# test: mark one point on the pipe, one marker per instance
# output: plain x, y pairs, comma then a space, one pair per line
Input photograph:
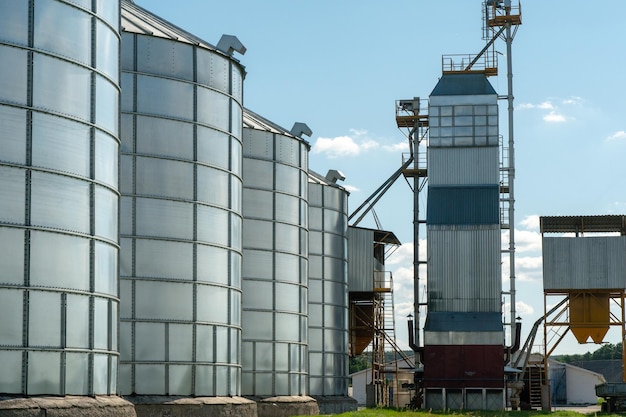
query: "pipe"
415, 348
518, 336
510, 350
379, 192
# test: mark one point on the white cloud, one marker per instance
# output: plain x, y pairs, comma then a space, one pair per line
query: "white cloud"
397, 147
573, 100
617, 136
357, 142
525, 241
358, 132
404, 254
554, 117
403, 310
521, 308
403, 282
546, 105
552, 113
368, 144
336, 147
351, 188
527, 269
530, 222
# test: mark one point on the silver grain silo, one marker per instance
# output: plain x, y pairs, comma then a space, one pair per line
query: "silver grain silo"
59, 94
274, 276
180, 229
328, 293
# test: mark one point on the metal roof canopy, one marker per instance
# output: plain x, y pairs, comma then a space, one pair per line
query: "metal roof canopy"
583, 224
383, 236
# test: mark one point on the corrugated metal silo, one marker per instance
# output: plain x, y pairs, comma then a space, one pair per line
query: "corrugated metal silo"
181, 185
463, 334
59, 95
275, 271
328, 288
463, 220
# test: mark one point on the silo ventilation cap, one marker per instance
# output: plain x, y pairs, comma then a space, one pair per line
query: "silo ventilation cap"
230, 44
333, 175
300, 129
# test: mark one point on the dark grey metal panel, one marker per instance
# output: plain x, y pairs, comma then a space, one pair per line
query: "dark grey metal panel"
463, 328
463, 84
463, 205
463, 322
584, 263
360, 259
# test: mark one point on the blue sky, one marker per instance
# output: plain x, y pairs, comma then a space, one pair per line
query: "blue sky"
339, 66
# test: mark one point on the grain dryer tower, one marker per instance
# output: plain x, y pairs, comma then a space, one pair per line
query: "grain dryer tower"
456, 150
463, 335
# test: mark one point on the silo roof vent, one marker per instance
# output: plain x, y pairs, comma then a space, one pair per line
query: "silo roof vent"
333, 175
300, 129
230, 44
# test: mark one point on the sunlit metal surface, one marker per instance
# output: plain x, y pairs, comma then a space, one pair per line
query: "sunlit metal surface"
58, 213
181, 218
328, 287
275, 252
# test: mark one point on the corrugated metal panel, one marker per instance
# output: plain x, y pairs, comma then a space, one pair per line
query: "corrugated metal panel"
584, 263
464, 338
465, 304
328, 281
464, 272
463, 322
462, 99
448, 205
583, 224
360, 259
187, 248
463, 166
459, 366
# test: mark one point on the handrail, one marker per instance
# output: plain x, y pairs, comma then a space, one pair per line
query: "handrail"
468, 62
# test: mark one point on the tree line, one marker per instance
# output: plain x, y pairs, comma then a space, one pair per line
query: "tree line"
607, 351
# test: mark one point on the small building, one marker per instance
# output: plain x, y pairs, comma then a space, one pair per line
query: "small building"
571, 385
398, 377
610, 369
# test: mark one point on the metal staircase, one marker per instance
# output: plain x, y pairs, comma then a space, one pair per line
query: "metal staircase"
388, 307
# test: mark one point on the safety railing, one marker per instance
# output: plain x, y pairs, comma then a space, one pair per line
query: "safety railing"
383, 281
460, 63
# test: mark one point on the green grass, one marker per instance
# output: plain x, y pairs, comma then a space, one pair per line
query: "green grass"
388, 412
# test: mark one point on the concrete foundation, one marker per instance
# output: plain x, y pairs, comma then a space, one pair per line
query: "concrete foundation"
168, 406
70, 406
335, 404
286, 406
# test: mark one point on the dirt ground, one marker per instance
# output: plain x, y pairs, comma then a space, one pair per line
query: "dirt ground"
584, 409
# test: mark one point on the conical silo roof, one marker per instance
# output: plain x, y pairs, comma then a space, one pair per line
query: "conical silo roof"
136, 19
463, 85
252, 120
